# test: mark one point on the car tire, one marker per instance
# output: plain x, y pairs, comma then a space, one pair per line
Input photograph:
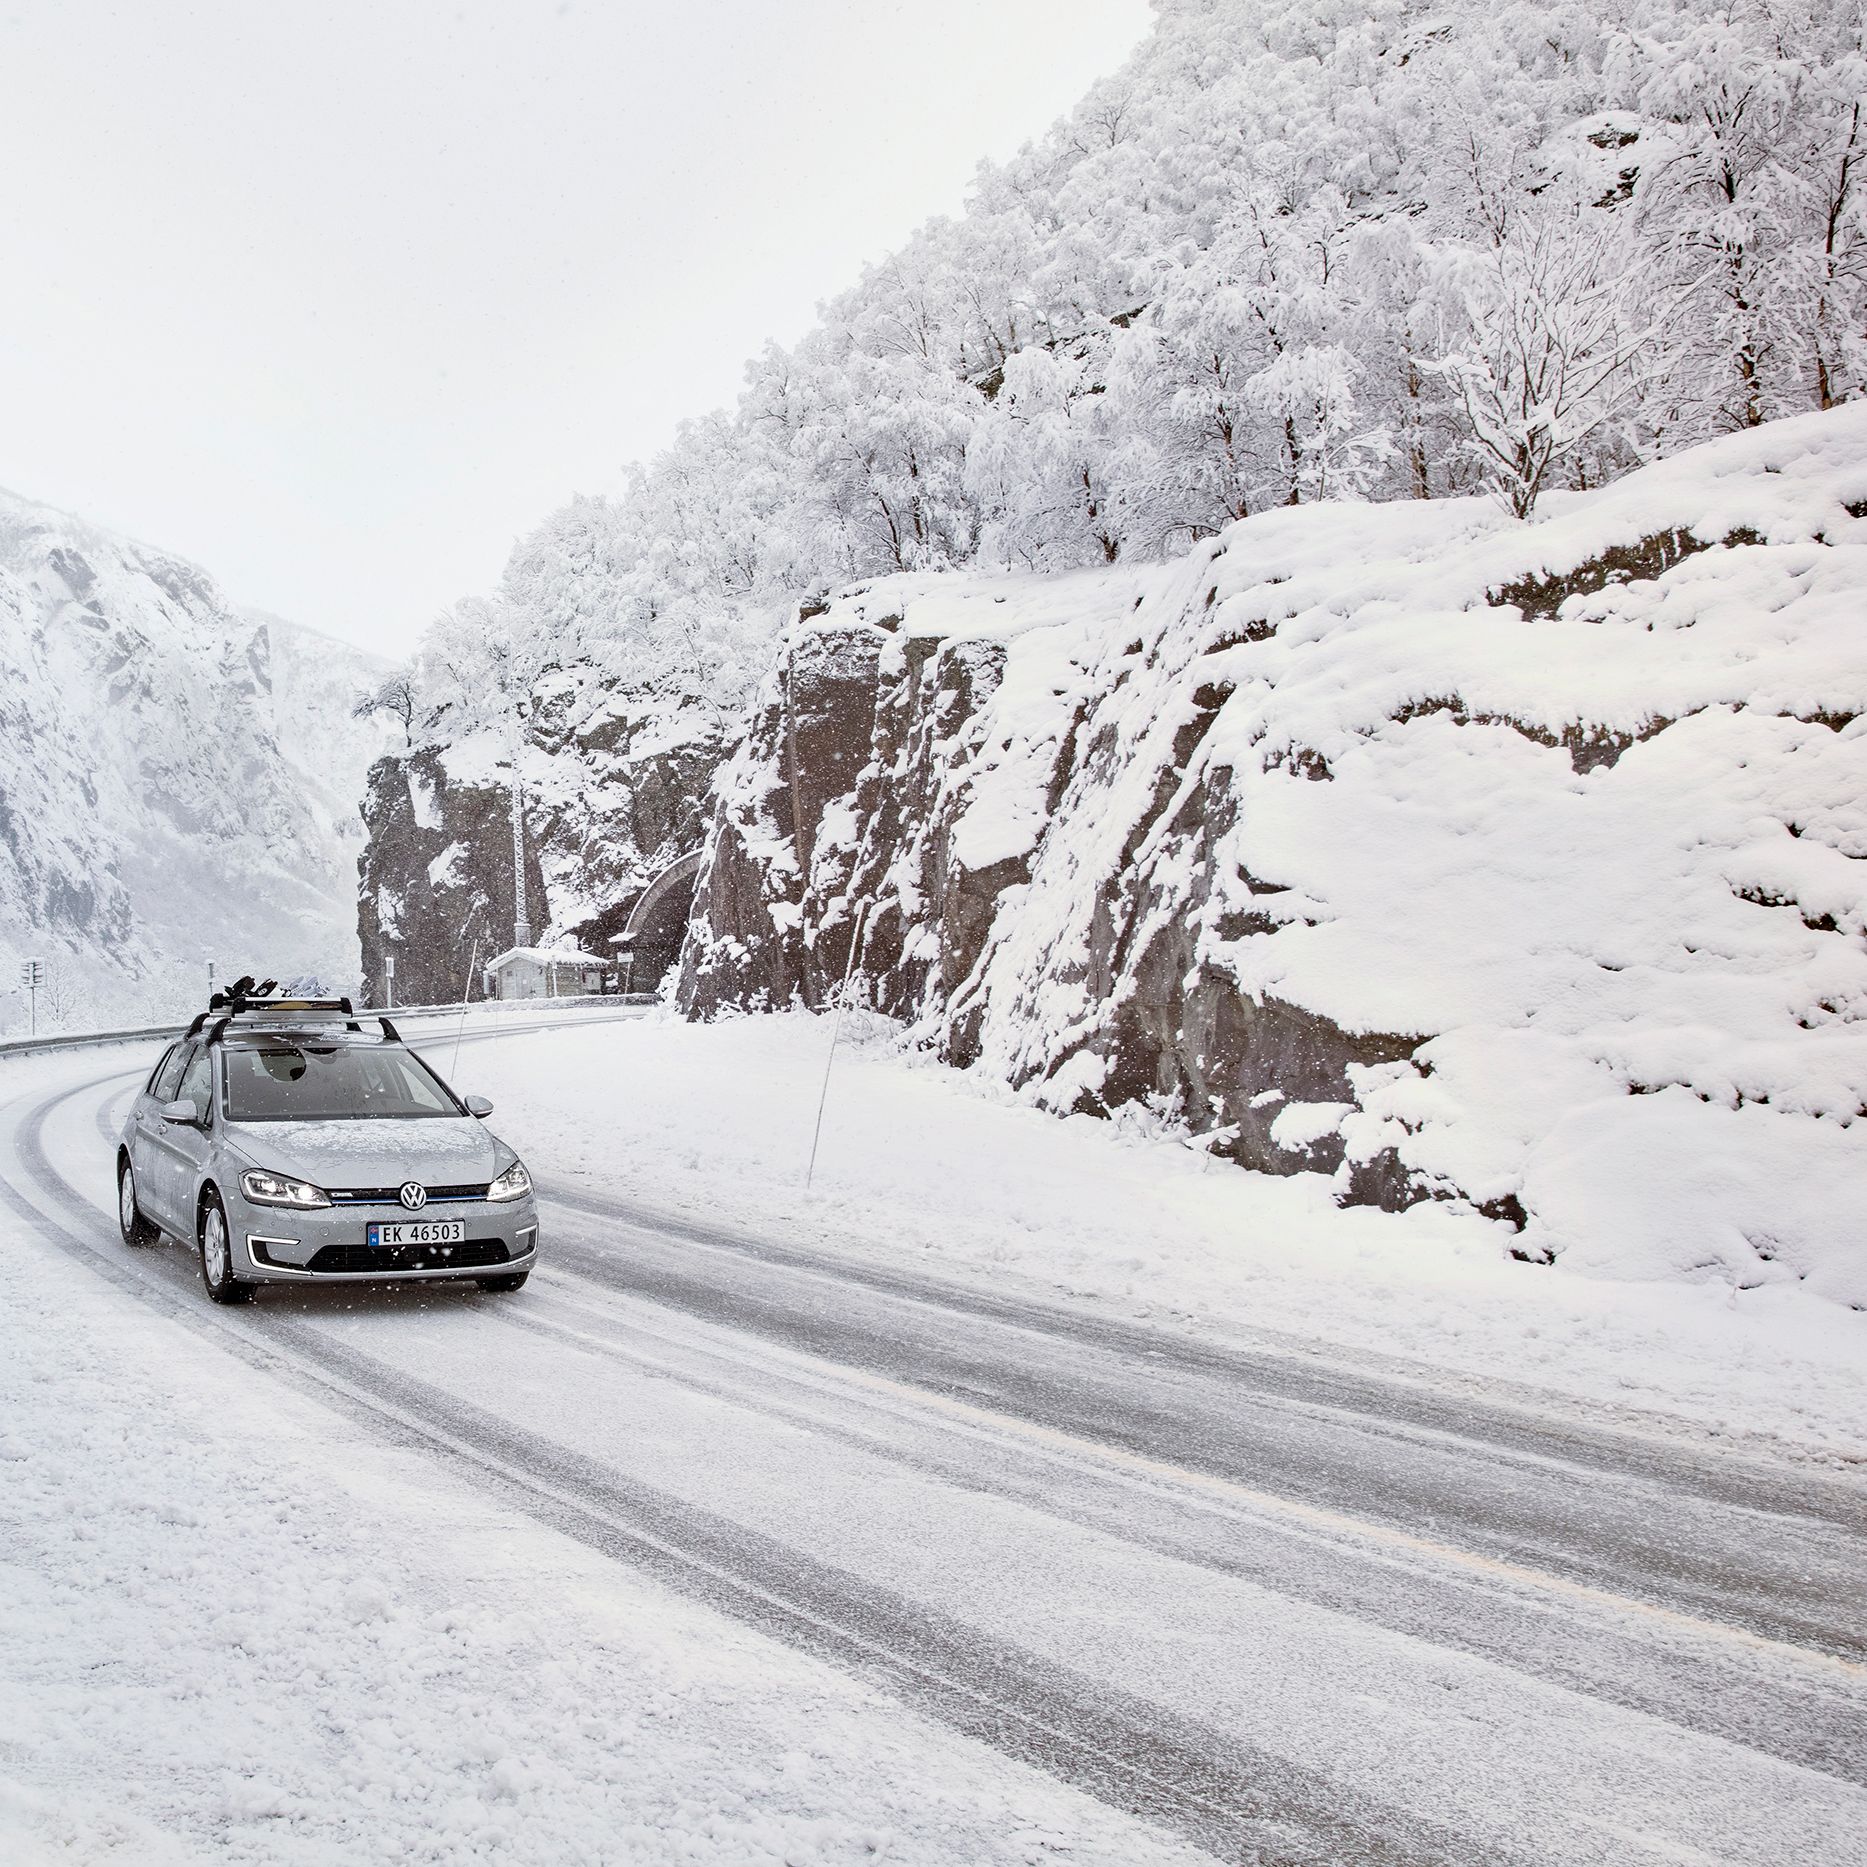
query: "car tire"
515, 1280
136, 1229
217, 1255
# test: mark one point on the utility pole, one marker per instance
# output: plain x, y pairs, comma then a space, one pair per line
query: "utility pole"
31, 977
521, 921
210, 981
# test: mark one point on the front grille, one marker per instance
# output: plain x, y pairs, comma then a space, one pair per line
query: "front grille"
383, 1260
392, 1195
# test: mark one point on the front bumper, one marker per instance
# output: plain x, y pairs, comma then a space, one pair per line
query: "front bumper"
278, 1245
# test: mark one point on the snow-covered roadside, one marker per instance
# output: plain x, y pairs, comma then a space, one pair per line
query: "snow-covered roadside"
926, 1165
235, 1627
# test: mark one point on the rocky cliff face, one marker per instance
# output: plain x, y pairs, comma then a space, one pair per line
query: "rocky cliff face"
892, 790
435, 879
177, 778
613, 792
1445, 855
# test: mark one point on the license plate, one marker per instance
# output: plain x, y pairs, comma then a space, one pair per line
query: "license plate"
418, 1232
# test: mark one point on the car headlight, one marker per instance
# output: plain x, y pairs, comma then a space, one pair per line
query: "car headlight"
514, 1183
275, 1189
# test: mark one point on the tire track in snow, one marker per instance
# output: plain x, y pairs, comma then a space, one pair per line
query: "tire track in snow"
1238, 1803
1776, 1554
1781, 1701
1772, 1716
1376, 1453
1281, 1371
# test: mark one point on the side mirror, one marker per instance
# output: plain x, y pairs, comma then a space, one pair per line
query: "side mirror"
182, 1111
478, 1105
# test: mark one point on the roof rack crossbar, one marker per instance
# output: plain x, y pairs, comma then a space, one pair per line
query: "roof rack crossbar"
224, 1007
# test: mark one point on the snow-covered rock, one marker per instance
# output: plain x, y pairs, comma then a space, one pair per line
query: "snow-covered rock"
1519, 864
614, 792
177, 778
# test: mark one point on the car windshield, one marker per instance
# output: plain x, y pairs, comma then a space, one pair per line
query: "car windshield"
287, 1081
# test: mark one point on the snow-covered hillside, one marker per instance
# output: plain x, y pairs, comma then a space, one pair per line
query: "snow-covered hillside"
1290, 251
1521, 865
177, 779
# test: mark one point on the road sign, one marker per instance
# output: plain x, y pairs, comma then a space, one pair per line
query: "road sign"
31, 977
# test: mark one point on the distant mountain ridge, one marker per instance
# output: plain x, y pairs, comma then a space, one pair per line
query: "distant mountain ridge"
177, 777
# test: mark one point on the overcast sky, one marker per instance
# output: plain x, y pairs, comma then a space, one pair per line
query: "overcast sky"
338, 299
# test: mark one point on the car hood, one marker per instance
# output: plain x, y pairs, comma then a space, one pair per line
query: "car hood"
449, 1150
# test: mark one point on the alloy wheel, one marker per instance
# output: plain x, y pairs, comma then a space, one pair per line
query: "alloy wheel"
214, 1253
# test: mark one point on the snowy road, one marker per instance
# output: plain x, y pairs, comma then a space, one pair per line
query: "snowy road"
1284, 1614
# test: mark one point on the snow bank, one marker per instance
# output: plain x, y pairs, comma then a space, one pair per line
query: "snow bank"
949, 1172
1638, 949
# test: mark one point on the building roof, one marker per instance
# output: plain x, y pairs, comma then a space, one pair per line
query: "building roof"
546, 956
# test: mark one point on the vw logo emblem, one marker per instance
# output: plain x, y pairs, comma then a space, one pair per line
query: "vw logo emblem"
414, 1195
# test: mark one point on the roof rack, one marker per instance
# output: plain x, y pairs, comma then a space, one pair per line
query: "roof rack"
224, 1007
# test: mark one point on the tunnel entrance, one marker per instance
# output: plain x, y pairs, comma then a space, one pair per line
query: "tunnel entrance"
651, 941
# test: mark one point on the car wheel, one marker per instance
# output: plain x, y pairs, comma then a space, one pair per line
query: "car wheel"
130, 1221
217, 1256
513, 1281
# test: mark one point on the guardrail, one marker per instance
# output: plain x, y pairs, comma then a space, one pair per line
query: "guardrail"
30, 1046
508, 1006
81, 1040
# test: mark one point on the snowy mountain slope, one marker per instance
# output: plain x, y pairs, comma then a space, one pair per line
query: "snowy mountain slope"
315, 679
172, 777
1515, 864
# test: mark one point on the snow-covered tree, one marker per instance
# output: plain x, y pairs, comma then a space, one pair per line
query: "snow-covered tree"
1294, 249
1040, 468
1753, 189
398, 697
1557, 337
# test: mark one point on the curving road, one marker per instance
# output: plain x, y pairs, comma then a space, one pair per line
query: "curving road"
1294, 1615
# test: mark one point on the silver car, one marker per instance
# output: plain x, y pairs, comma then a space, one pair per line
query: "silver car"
289, 1144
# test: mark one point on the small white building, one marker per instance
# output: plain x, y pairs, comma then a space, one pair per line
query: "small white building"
548, 972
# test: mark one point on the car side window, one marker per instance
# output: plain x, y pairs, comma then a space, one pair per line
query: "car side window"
168, 1073
197, 1084
168, 1078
